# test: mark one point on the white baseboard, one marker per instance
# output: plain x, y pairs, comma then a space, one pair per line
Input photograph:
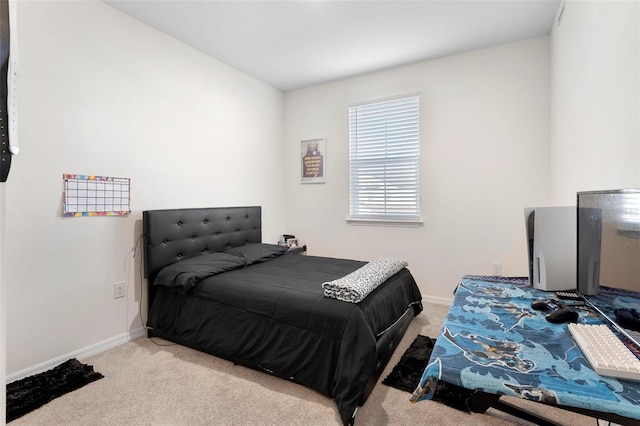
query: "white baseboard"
446, 301
80, 354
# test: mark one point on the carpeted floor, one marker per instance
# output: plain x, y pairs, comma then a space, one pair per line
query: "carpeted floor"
147, 384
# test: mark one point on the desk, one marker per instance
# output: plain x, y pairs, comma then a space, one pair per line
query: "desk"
493, 342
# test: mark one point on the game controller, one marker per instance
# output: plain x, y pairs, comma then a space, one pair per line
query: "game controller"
628, 318
560, 313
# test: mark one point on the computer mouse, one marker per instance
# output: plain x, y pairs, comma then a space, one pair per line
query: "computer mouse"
539, 305
561, 315
546, 305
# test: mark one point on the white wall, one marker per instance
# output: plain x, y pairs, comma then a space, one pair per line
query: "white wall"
103, 94
485, 150
595, 98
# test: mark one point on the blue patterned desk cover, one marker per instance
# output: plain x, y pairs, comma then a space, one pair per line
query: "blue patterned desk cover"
493, 341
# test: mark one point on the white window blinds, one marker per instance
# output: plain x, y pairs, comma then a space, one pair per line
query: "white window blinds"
384, 156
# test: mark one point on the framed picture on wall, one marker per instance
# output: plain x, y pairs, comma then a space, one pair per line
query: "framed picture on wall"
313, 154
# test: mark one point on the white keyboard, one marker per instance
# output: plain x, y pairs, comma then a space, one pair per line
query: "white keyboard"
605, 351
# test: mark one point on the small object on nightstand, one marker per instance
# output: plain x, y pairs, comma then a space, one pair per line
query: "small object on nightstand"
284, 239
297, 250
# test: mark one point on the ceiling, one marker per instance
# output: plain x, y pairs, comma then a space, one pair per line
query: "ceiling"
294, 44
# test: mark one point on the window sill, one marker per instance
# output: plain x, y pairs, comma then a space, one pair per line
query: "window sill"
386, 222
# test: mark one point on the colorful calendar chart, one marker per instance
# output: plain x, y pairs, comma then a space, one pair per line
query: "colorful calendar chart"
87, 195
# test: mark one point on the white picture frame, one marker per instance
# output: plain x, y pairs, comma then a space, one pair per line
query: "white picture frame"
313, 160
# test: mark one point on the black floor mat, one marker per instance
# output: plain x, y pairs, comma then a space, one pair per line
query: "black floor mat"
32, 392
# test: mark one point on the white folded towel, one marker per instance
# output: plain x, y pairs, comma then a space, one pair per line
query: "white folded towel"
355, 286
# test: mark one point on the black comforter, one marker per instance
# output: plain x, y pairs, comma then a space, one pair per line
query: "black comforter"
273, 316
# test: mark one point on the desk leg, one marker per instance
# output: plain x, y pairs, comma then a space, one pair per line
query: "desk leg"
482, 401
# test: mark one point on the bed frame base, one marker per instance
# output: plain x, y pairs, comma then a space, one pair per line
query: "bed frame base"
385, 347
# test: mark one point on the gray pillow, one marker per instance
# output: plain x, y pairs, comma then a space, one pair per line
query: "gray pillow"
257, 252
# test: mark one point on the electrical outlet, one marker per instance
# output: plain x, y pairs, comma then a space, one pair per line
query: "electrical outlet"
497, 269
118, 290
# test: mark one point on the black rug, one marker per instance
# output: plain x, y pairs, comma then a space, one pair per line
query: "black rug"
407, 373
32, 392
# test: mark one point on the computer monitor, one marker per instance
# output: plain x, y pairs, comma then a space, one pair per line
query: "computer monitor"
608, 240
608, 247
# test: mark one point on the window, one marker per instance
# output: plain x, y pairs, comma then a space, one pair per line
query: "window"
384, 158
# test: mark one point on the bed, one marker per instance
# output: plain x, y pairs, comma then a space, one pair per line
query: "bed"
268, 311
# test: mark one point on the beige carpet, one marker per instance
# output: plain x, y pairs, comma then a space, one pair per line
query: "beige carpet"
148, 384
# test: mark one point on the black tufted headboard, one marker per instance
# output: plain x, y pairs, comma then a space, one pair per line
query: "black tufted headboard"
177, 234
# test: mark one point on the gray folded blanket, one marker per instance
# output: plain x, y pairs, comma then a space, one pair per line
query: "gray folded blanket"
355, 286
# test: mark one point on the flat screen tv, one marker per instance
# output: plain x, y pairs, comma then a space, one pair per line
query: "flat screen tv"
608, 246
